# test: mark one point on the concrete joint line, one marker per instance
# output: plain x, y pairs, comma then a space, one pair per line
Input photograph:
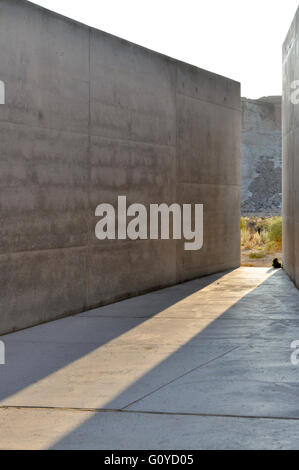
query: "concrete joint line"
146, 412
180, 376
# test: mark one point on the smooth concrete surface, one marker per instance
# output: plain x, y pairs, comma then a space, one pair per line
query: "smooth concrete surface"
88, 117
290, 157
201, 365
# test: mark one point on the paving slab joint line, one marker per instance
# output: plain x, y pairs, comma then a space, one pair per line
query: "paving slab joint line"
180, 376
146, 412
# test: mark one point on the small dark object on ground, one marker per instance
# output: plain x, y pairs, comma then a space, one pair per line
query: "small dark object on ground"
276, 264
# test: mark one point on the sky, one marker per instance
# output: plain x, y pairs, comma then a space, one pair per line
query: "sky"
240, 39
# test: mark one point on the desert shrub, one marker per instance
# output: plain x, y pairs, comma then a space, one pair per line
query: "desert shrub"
262, 225
272, 246
246, 239
250, 237
247, 242
245, 233
257, 254
264, 235
260, 236
251, 224
275, 230
256, 239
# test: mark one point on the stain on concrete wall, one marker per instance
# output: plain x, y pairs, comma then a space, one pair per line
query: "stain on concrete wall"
261, 156
89, 117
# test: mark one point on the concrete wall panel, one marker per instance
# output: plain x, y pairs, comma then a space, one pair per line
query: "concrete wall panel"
126, 268
206, 86
221, 229
45, 64
208, 139
89, 117
40, 285
43, 188
132, 92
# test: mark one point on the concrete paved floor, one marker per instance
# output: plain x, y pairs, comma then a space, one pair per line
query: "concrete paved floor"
203, 365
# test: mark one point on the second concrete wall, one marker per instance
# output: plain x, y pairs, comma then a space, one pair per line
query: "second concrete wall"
89, 117
290, 146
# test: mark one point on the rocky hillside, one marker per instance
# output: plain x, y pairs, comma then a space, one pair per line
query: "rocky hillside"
261, 156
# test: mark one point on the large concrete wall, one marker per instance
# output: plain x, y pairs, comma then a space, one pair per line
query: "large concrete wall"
290, 156
261, 156
88, 117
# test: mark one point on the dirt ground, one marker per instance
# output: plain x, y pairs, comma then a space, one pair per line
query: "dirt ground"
259, 262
